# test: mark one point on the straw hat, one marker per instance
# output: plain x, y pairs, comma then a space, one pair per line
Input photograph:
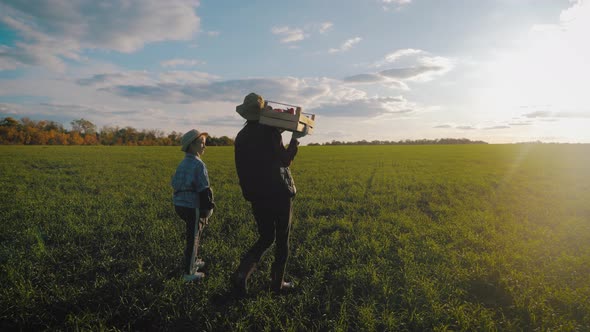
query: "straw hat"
189, 137
250, 108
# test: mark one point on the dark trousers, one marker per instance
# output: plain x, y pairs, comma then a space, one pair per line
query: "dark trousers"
193, 235
273, 220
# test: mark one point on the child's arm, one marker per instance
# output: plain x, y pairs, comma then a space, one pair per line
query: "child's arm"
206, 203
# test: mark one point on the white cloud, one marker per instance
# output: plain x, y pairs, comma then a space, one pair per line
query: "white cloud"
563, 114
365, 107
289, 35
325, 27
186, 77
443, 126
414, 64
214, 89
56, 30
325, 96
520, 123
388, 4
376, 78
347, 45
417, 66
119, 78
393, 57
398, 2
181, 63
496, 127
295, 34
9, 108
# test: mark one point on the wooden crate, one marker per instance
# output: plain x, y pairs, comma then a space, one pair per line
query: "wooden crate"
288, 121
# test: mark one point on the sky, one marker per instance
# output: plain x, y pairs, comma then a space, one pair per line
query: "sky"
502, 71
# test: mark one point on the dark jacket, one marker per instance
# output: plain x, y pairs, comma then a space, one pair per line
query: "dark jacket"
262, 162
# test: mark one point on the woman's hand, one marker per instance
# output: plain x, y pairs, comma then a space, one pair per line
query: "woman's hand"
298, 135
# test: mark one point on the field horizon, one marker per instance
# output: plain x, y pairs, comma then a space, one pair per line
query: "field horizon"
385, 238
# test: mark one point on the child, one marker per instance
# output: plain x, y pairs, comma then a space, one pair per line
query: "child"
193, 199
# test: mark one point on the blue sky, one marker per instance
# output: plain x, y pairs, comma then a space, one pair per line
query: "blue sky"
500, 71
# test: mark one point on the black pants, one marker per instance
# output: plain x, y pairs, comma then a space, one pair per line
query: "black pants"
193, 234
273, 220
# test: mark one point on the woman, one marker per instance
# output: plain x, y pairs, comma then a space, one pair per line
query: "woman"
193, 199
262, 164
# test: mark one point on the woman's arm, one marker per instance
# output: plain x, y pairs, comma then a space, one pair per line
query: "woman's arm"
286, 155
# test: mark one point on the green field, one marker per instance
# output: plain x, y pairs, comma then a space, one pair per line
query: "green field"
458, 237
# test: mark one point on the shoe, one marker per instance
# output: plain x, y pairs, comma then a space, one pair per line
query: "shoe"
199, 264
193, 277
239, 285
285, 286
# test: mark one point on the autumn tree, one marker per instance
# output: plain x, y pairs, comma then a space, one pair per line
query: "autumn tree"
83, 126
28, 131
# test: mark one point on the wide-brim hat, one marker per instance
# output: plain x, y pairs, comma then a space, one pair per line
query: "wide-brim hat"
251, 107
189, 137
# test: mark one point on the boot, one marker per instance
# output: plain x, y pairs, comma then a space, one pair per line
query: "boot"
240, 277
277, 283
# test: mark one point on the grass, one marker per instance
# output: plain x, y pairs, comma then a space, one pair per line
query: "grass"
477, 237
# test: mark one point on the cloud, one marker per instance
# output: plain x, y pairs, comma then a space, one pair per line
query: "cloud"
181, 62
76, 109
185, 77
325, 27
213, 33
326, 96
70, 110
417, 65
143, 78
470, 127
520, 123
289, 35
121, 78
399, 54
388, 4
9, 108
52, 31
410, 72
365, 107
365, 78
376, 78
227, 90
347, 45
497, 127
549, 114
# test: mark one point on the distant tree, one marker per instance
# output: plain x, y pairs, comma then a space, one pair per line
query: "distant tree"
407, 142
9, 122
219, 141
83, 126
75, 138
52, 125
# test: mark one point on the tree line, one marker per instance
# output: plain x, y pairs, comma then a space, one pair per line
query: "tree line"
84, 132
405, 142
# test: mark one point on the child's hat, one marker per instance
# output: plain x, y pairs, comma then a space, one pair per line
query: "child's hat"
189, 137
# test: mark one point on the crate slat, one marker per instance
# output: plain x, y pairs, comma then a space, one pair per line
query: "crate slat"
287, 121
